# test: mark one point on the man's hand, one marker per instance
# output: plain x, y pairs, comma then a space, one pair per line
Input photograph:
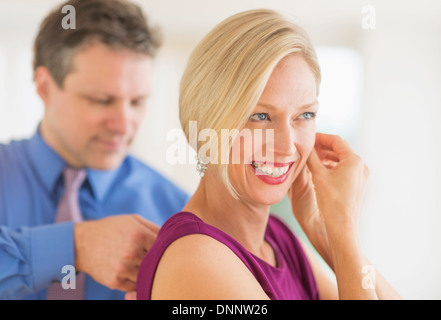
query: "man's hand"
131, 295
111, 249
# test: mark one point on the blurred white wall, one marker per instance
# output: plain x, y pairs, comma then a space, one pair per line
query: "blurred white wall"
395, 89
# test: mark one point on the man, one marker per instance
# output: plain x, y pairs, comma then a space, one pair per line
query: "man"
94, 81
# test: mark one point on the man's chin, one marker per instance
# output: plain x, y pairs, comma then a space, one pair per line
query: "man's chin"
109, 163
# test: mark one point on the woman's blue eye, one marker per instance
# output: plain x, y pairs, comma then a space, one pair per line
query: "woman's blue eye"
259, 116
309, 115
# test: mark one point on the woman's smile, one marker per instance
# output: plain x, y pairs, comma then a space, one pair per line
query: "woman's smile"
272, 173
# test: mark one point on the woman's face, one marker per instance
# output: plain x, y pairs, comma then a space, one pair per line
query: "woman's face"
287, 107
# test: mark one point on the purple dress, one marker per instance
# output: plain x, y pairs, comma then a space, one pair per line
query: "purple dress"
291, 279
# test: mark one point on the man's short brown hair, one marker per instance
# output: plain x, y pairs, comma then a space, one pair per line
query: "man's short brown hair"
118, 24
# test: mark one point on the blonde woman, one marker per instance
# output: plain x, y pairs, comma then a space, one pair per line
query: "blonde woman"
257, 73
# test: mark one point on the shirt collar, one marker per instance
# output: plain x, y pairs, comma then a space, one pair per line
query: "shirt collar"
101, 181
49, 166
46, 162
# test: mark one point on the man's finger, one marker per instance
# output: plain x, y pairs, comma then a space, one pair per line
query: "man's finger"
148, 240
127, 285
131, 295
152, 226
132, 272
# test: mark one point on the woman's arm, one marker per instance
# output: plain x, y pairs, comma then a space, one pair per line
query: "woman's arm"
326, 286
325, 200
198, 267
382, 287
349, 264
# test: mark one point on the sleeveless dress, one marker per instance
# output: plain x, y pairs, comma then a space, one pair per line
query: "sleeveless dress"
291, 279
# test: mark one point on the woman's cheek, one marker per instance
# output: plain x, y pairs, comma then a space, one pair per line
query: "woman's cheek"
305, 141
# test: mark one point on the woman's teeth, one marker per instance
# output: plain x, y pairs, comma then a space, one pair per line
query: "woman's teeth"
269, 170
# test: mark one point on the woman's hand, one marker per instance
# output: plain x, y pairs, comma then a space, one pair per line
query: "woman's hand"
307, 213
339, 177
326, 198
327, 194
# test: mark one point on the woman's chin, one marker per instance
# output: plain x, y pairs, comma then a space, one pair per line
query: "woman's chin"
271, 199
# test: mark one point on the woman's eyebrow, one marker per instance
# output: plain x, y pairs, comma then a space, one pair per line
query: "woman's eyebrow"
303, 107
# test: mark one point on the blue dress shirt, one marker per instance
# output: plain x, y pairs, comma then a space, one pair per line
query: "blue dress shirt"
33, 249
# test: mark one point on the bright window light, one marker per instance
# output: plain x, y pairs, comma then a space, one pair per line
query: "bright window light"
340, 94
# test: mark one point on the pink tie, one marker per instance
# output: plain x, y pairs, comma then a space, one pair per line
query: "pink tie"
69, 210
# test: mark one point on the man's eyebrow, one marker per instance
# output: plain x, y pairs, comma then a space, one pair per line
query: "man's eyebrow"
94, 93
111, 96
305, 106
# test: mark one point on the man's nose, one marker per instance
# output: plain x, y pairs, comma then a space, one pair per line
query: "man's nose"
119, 118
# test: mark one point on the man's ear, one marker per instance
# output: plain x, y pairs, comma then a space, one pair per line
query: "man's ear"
43, 81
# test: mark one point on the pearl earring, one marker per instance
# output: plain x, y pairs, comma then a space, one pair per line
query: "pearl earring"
201, 166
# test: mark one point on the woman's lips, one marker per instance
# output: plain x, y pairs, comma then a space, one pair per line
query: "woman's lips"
272, 172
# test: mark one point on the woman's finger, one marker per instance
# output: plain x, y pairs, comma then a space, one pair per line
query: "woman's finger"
314, 164
327, 155
334, 143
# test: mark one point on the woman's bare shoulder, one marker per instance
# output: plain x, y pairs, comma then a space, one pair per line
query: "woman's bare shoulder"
198, 266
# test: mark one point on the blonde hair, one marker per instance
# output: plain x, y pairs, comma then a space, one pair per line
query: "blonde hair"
228, 70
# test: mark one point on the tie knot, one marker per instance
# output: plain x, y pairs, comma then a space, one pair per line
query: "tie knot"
73, 178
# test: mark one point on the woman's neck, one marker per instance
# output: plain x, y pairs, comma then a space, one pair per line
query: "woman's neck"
244, 221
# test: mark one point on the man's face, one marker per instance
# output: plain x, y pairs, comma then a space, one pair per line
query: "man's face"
92, 120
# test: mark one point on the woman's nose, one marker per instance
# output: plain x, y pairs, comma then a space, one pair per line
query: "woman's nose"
284, 140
